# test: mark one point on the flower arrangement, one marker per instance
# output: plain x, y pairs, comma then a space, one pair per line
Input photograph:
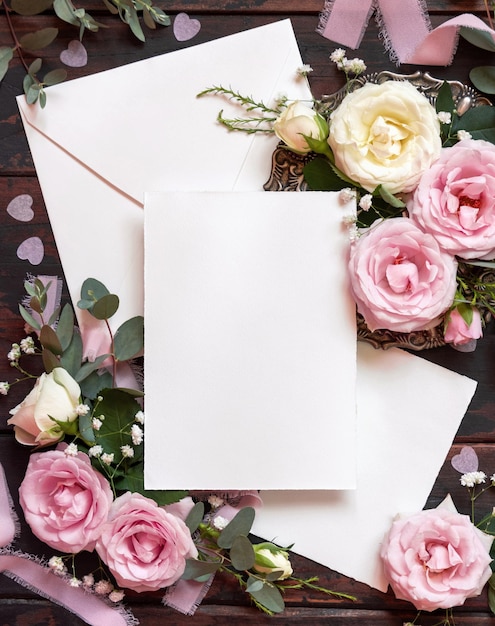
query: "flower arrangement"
83, 489
421, 174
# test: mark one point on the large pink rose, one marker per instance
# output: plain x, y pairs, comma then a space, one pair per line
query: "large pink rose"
143, 545
455, 200
65, 501
400, 278
436, 558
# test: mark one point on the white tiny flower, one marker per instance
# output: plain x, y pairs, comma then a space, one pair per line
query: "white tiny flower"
99, 398
215, 501
127, 451
220, 522
492, 478
27, 345
74, 582
354, 66
15, 353
366, 201
349, 219
139, 417
82, 409
95, 451
102, 587
444, 117
56, 564
353, 233
107, 458
304, 70
337, 55
4, 388
117, 595
88, 581
470, 479
136, 435
96, 423
347, 195
463, 134
71, 450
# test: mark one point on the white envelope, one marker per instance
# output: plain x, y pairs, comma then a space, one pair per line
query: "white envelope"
250, 353
105, 139
408, 412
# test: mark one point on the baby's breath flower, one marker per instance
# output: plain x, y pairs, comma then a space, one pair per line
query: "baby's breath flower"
82, 409
27, 345
349, 219
74, 582
99, 398
88, 581
15, 353
96, 423
220, 522
492, 479
71, 450
470, 479
95, 451
139, 417
354, 66
4, 388
117, 595
136, 435
346, 195
304, 70
57, 565
353, 233
463, 134
103, 587
444, 117
127, 451
107, 458
338, 55
365, 202
215, 501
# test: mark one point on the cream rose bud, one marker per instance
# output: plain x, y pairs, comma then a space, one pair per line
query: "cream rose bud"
386, 134
296, 121
55, 396
270, 558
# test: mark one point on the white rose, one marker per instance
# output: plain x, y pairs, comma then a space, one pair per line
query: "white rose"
270, 558
297, 121
55, 395
386, 134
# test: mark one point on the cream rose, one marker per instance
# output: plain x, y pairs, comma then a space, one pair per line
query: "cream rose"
270, 558
385, 134
55, 395
297, 121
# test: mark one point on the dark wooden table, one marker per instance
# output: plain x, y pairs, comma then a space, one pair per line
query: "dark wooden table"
224, 604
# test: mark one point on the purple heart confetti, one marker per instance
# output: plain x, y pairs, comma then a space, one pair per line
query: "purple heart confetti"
20, 208
75, 55
466, 461
185, 28
31, 250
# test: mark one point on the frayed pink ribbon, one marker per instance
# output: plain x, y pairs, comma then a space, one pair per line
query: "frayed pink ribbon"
25, 570
405, 28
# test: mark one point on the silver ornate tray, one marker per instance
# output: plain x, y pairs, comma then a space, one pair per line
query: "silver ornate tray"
287, 175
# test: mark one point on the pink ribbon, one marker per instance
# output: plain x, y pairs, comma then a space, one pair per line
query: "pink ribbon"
405, 28
25, 570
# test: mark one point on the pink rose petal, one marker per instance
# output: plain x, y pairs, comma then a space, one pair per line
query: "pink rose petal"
466, 461
31, 250
20, 208
75, 55
185, 28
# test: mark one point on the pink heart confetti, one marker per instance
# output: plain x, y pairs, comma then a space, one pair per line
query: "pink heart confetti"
466, 461
31, 250
20, 208
75, 55
185, 28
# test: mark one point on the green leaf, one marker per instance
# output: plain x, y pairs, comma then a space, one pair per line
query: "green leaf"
242, 553
483, 78
129, 339
195, 516
90, 366
445, 100
50, 361
86, 428
35, 66
111, 7
269, 597
94, 383
320, 176
72, 356
198, 569
164, 497
54, 77
33, 93
388, 197
160, 17
148, 19
254, 584
479, 121
91, 291
49, 340
479, 38
6, 55
65, 326
30, 7
38, 40
119, 409
42, 98
27, 83
28, 318
105, 307
64, 10
131, 18
239, 525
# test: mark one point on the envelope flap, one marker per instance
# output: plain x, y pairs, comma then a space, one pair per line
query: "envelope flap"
141, 127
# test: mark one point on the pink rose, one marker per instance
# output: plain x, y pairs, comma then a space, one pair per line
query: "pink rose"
65, 501
436, 558
143, 545
400, 278
455, 200
458, 332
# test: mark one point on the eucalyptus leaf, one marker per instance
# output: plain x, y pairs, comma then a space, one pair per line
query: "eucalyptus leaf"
50, 361
65, 326
38, 40
30, 288
148, 19
35, 66
6, 55
33, 93
129, 339
239, 525
160, 17
111, 7
242, 553
91, 291
64, 9
54, 77
197, 569
479, 38
105, 307
72, 356
132, 19
86, 428
28, 318
195, 516
92, 384
270, 597
254, 584
483, 78
35, 305
49, 340
30, 7
90, 366
54, 316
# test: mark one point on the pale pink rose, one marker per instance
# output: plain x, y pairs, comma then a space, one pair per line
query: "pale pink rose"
55, 395
436, 558
143, 545
65, 501
400, 278
458, 332
455, 200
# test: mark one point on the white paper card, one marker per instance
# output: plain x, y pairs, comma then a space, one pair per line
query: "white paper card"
250, 342
409, 411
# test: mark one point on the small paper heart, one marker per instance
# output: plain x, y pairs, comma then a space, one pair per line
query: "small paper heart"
20, 208
31, 250
466, 461
185, 28
75, 55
